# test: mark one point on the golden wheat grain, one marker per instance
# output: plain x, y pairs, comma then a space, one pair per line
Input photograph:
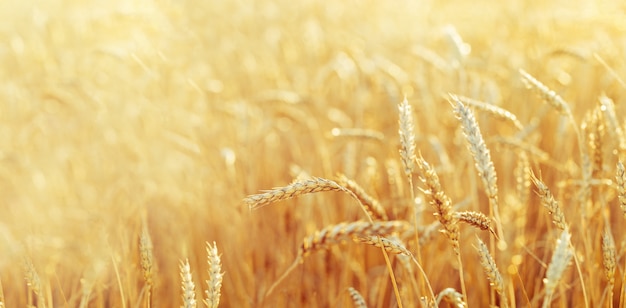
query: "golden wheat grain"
620, 180
548, 201
476, 219
187, 285
499, 112
297, 188
451, 296
147, 262
490, 268
368, 134
440, 201
335, 234
370, 204
357, 298
34, 283
407, 137
559, 262
214, 284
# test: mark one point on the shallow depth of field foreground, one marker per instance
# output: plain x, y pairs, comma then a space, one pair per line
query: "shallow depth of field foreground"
312, 153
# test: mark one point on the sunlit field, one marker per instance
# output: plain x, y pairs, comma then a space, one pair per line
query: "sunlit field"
312, 153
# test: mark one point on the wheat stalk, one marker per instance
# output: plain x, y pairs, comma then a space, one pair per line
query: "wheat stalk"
187, 285
214, 284
560, 260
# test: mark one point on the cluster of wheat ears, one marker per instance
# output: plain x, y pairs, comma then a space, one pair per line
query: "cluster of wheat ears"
392, 236
366, 153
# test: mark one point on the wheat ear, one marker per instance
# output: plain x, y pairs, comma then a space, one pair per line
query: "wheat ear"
498, 112
560, 260
443, 210
609, 261
34, 283
522, 177
476, 219
593, 126
407, 155
407, 137
563, 108
214, 284
357, 298
336, 234
391, 244
548, 201
620, 179
147, 261
440, 202
187, 285
611, 121
481, 155
490, 268
297, 188
451, 296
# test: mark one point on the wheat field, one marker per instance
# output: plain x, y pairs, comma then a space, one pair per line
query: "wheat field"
312, 153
